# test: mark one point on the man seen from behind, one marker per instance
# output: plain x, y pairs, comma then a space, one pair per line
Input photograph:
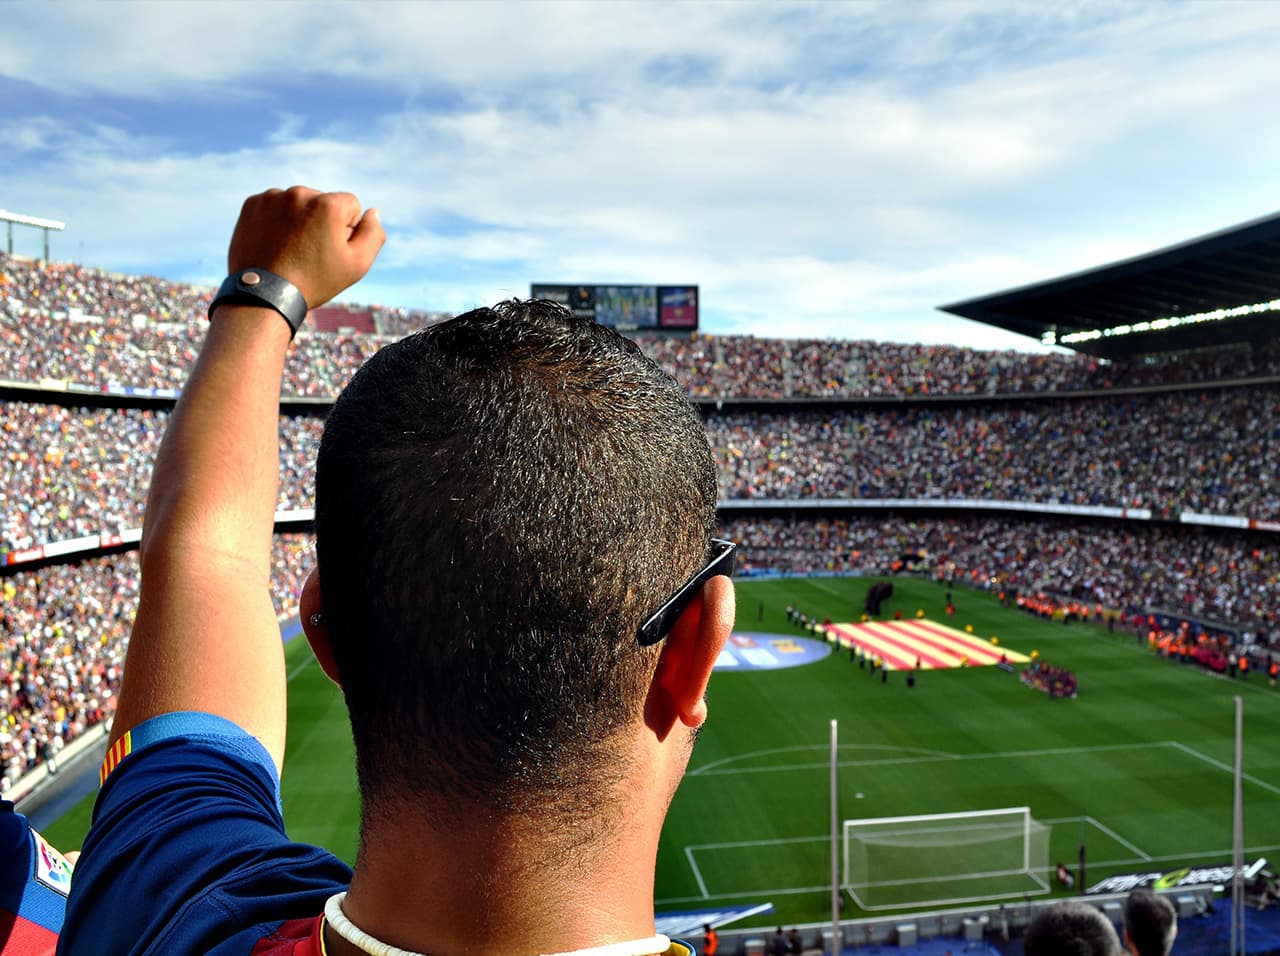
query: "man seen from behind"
517, 589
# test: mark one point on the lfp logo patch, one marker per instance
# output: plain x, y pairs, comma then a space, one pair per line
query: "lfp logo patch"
750, 650
52, 868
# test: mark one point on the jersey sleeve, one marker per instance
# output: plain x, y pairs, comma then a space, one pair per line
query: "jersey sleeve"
187, 851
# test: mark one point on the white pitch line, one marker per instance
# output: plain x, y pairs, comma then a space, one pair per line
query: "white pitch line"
1228, 768
1118, 838
707, 770
298, 669
1179, 857
792, 891
715, 764
1054, 821
697, 874
824, 587
777, 841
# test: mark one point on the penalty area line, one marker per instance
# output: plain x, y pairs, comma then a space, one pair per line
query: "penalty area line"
750, 893
697, 874
1192, 752
1108, 831
1119, 839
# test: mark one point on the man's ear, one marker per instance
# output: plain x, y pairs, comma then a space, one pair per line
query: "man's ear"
309, 609
690, 651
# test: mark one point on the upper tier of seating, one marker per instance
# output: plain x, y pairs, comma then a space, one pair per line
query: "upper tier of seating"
70, 323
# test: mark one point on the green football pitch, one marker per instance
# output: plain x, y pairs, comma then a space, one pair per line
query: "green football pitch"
1138, 767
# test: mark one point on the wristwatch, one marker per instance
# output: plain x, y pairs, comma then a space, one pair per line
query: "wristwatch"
263, 288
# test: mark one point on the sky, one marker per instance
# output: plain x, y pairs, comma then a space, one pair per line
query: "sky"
818, 169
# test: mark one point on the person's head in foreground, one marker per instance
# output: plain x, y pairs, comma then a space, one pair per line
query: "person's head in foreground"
1071, 929
517, 588
1150, 923
504, 503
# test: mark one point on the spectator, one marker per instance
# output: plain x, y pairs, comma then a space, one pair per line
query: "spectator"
498, 461
1071, 929
63, 633
1150, 924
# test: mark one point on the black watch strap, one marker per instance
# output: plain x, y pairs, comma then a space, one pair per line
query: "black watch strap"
262, 288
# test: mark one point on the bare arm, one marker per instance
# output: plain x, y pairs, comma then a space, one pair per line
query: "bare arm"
205, 637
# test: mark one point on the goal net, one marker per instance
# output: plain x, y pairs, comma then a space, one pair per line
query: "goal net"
945, 858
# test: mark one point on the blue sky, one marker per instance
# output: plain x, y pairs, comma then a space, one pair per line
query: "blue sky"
826, 169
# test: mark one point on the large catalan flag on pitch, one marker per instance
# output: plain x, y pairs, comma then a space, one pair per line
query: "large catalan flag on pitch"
900, 644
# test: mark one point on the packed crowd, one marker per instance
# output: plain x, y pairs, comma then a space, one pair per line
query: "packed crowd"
71, 471
1207, 573
76, 471
1184, 451
63, 630
36, 346
72, 323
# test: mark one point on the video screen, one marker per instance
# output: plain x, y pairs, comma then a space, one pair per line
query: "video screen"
627, 306
678, 307
579, 299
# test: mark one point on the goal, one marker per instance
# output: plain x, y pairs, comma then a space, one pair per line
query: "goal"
945, 858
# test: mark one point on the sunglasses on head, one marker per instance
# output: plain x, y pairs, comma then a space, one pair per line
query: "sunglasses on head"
660, 623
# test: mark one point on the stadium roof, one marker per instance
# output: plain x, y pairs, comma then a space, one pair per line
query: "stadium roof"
1219, 289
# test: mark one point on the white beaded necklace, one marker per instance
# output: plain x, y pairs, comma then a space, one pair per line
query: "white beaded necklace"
366, 943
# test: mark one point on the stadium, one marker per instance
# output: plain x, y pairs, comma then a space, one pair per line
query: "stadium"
1080, 547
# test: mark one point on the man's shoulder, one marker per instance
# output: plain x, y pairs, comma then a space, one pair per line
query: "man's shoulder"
190, 809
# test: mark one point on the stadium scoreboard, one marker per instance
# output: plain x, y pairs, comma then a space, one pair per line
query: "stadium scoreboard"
627, 307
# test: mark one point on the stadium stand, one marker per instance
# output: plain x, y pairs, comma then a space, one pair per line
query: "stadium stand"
854, 420
1192, 451
82, 470
1204, 572
63, 630
143, 332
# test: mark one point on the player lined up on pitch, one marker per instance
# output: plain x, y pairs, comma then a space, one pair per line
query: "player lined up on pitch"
517, 589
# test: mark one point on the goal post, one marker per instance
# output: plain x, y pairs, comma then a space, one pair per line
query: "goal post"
945, 858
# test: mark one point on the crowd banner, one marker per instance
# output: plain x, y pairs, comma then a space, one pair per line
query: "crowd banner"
1214, 521
23, 556
92, 543
938, 504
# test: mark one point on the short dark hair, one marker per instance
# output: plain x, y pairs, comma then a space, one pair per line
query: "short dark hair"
501, 499
1151, 922
1071, 929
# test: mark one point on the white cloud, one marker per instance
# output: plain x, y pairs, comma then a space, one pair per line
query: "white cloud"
815, 167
